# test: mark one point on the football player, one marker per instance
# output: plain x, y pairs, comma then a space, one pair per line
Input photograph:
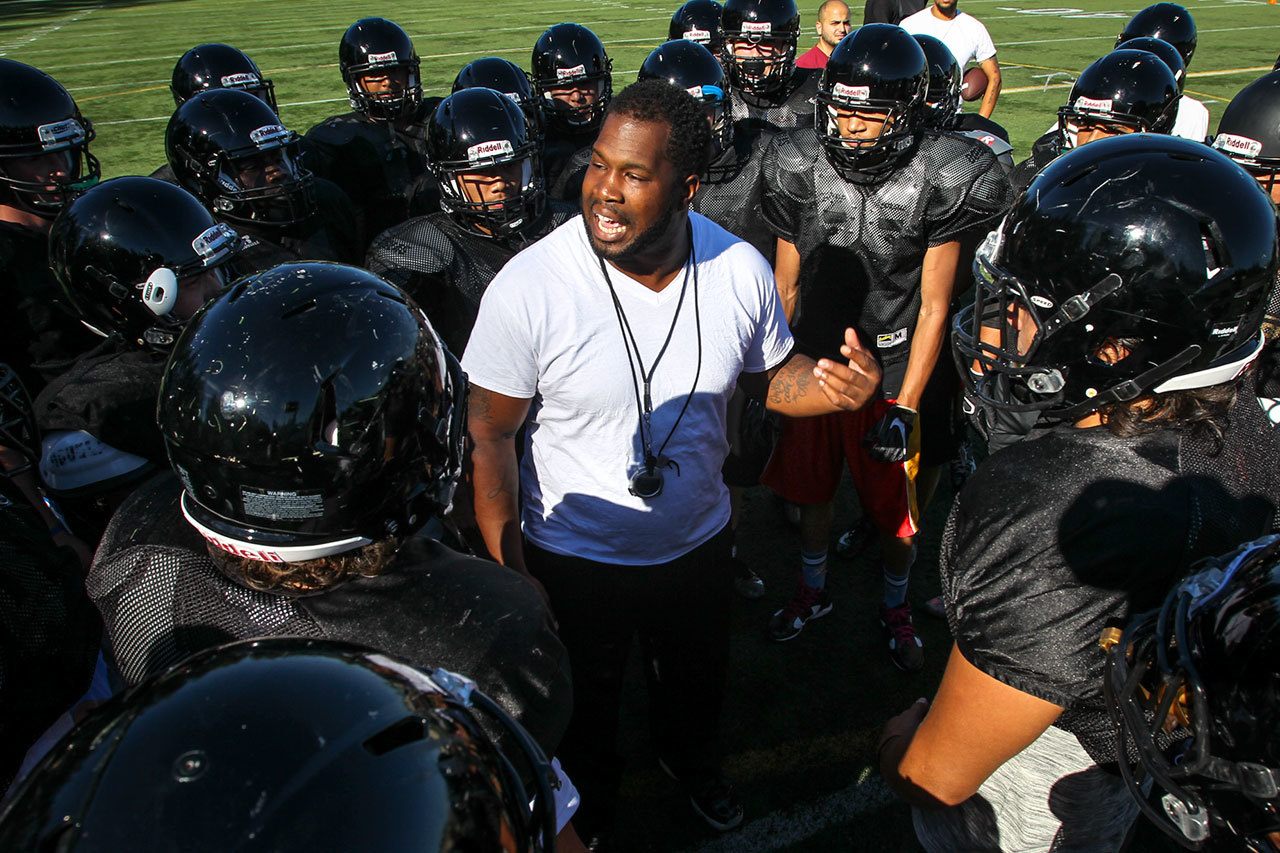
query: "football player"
1126, 91
759, 55
1174, 25
494, 204
573, 77
44, 160
231, 151
219, 66
503, 75
1119, 303
1190, 688
294, 744
314, 426
869, 209
699, 21
1249, 131
377, 152
135, 257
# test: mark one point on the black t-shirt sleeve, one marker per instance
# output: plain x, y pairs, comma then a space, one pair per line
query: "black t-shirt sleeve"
786, 178
1035, 566
880, 12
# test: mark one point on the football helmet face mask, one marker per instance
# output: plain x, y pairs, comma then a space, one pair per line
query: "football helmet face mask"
1156, 249
398, 754
138, 257
219, 66
699, 21
1249, 130
1191, 688
311, 410
760, 39
44, 142
488, 167
230, 150
878, 74
1124, 91
380, 67
690, 66
942, 103
1168, 22
505, 76
570, 57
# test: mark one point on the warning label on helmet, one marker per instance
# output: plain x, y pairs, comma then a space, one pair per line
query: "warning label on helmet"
235, 81
761, 28
277, 505
1095, 105
700, 36
851, 93
378, 58
567, 73
492, 148
1233, 144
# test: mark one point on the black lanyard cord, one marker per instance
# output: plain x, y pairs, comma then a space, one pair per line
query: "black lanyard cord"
645, 409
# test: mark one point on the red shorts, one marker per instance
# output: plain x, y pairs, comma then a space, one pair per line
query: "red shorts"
805, 468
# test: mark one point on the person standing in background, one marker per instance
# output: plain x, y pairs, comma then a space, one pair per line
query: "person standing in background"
968, 40
832, 25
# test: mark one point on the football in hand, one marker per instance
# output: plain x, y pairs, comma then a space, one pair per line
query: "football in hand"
974, 84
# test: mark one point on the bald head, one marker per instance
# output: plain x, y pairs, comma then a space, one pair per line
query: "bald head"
833, 24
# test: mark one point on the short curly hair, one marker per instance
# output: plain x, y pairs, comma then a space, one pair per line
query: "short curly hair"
689, 145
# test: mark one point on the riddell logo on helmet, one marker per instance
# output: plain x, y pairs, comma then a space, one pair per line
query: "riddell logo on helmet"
60, 133
760, 28
852, 93
700, 36
1094, 105
375, 58
493, 148
268, 133
243, 79
1241, 145
247, 553
575, 71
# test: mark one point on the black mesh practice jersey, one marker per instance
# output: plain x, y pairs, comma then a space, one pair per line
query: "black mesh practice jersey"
39, 338
791, 107
862, 245
162, 599
1061, 535
49, 630
331, 233
447, 267
377, 164
1044, 151
730, 192
564, 159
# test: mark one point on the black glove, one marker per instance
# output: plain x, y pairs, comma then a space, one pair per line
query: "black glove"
887, 440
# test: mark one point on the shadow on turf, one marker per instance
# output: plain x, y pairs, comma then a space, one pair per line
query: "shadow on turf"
36, 10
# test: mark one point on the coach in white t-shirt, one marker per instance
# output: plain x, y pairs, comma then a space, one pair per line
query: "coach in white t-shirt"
967, 38
617, 341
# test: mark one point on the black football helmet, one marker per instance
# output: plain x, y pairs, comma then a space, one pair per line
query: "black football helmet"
699, 21
311, 410
1167, 22
565, 55
1192, 689
1249, 130
503, 75
230, 150
1127, 88
219, 66
376, 47
288, 743
876, 68
1158, 244
138, 256
44, 142
942, 103
774, 23
691, 67
1165, 51
483, 131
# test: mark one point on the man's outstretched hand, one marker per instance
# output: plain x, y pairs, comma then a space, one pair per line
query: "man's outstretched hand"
850, 386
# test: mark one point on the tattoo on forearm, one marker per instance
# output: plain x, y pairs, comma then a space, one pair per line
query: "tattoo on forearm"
790, 385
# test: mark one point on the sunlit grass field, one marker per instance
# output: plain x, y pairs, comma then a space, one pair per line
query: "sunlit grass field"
803, 717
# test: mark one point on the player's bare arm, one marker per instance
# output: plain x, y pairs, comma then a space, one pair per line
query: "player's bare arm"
937, 278
786, 272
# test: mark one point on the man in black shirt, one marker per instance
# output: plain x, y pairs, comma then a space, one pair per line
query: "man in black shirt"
1152, 454
377, 152
869, 215
494, 201
44, 159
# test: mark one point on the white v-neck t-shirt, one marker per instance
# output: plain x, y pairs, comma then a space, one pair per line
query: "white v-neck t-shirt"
547, 330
